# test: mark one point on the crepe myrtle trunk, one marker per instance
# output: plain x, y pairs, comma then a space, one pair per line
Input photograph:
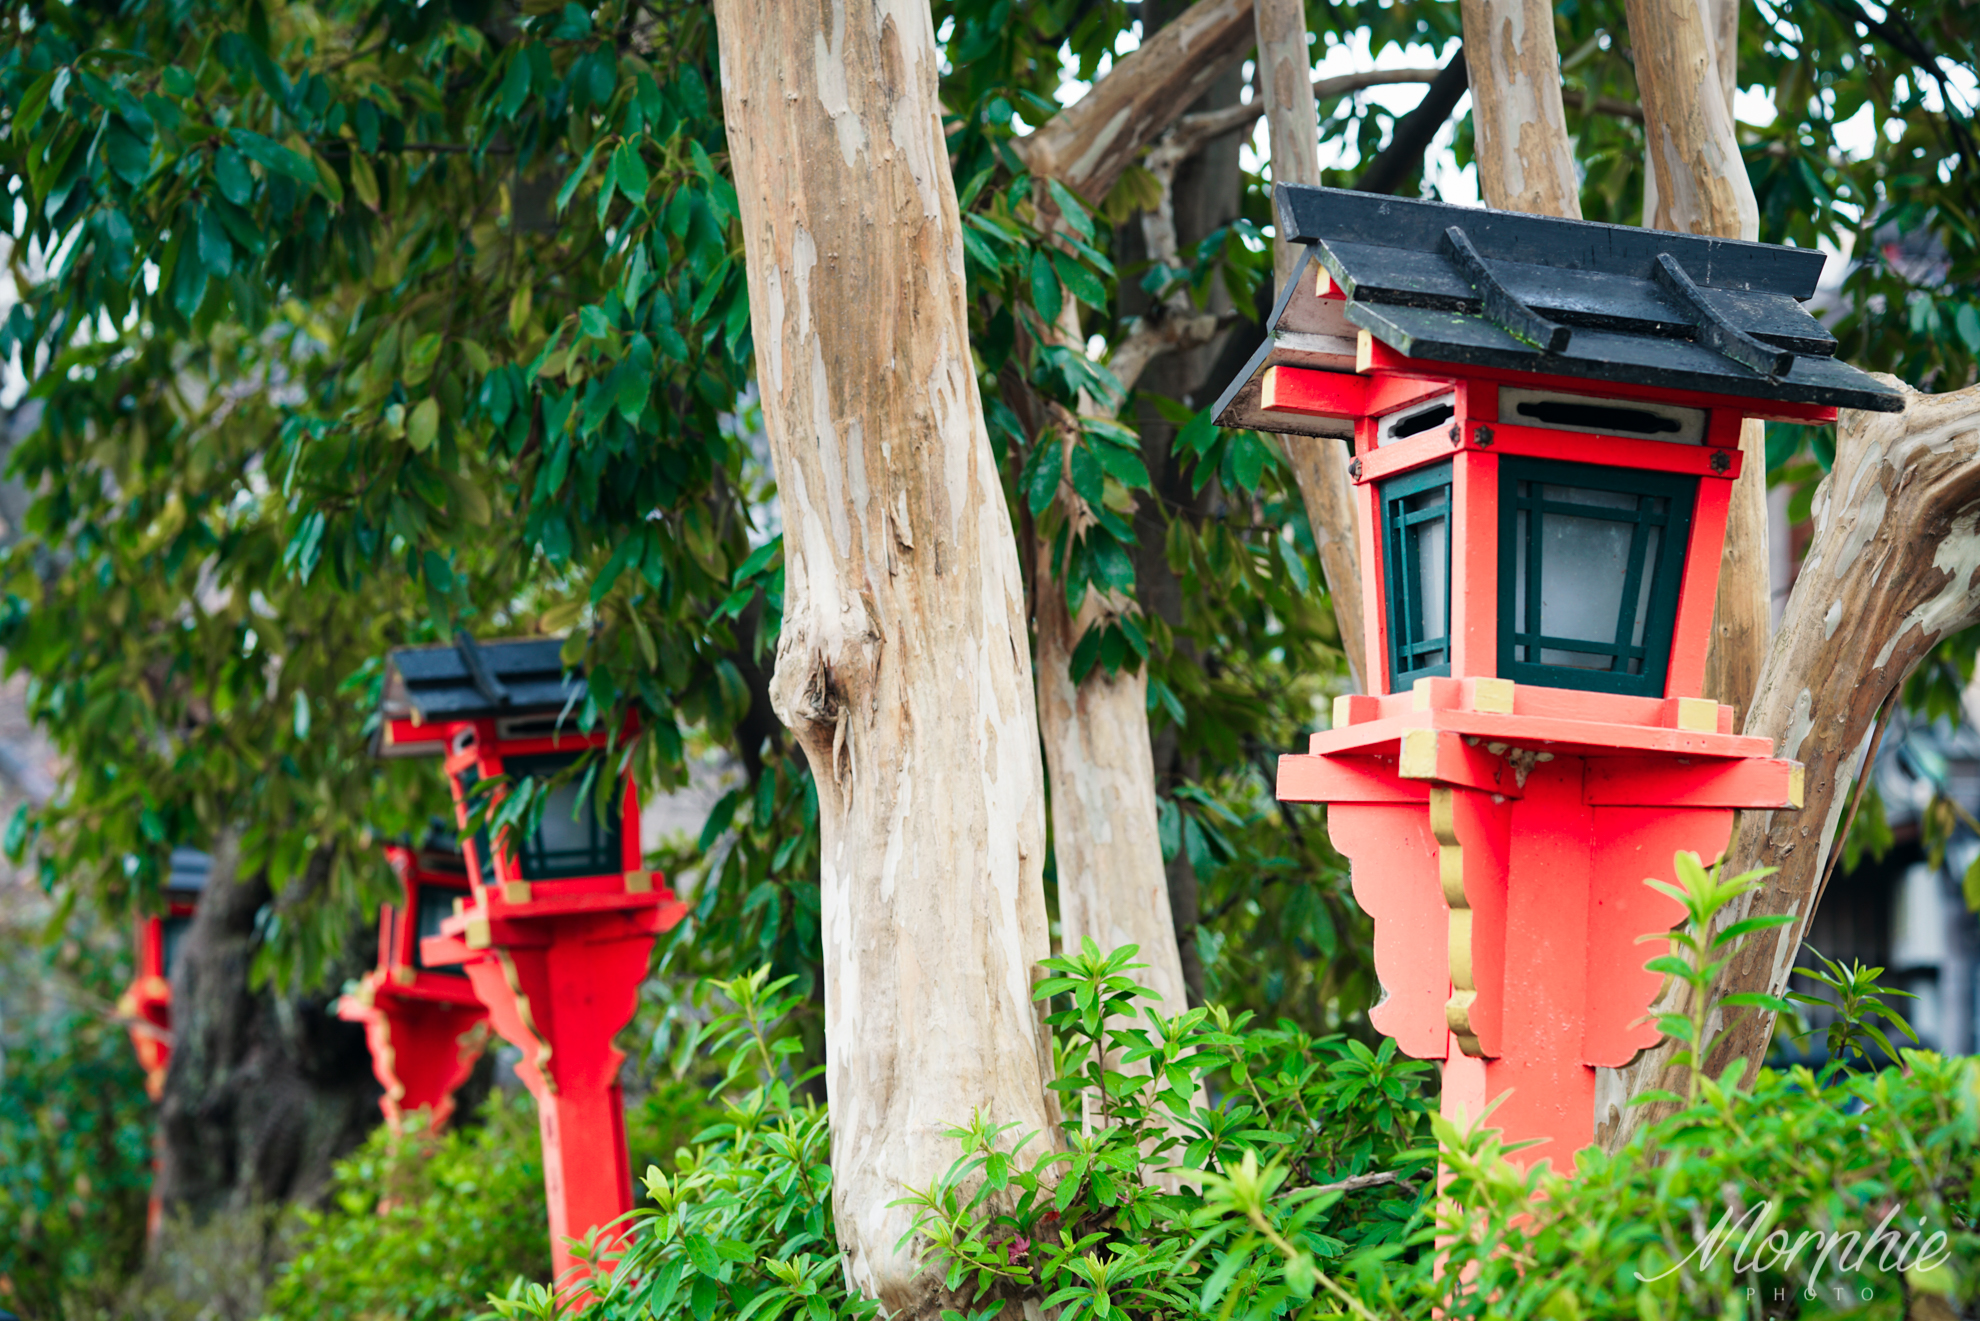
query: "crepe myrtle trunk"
266, 1090
903, 668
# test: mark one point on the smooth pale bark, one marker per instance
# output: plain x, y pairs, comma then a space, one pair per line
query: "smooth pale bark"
1088, 144
1894, 567
1696, 182
1524, 162
903, 668
1319, 466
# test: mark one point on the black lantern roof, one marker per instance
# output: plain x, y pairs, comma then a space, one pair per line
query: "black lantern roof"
1509, 291
190, 869
479, 680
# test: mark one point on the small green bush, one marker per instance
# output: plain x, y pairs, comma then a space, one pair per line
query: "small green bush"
422, 1226
75, 1131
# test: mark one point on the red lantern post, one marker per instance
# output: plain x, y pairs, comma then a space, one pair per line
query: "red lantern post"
147, 1001
423, 1022
560, 931
1546, 418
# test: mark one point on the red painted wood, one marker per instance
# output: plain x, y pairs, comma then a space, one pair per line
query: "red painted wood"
1632, 843
1394, 875
1457, 762
1304, 779
1564, 737
1691, 636
1381, 360
1759, 782
422, 1049
1546, 969
1388, 392
1474, 565
1605, 451
1374, 617
1403, 455
1723, 426
1315, 393
560, 1000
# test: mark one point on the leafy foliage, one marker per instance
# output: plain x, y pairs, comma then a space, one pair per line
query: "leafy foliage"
75, 1131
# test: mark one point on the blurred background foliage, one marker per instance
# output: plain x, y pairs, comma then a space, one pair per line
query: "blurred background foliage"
354, 323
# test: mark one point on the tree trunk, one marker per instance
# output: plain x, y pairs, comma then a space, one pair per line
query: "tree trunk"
1894, 567
1524, 163
1319, 466
1697, 184
265, 1091
903, 667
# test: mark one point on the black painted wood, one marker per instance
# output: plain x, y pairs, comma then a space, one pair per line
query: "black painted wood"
1716, 330
1502, 307
1596, 299
1311, 215
1462, 339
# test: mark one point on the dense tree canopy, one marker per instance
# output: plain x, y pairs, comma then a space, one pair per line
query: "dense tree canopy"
354, 324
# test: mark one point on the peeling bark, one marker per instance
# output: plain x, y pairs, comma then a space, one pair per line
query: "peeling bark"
1319, 466
1524, 163
1894, 567
902, 669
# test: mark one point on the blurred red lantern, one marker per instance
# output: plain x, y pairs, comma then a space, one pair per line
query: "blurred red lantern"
147, 1002
423, 1023
559, 933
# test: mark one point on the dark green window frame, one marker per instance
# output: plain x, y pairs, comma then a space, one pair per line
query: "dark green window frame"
1679, 494
1414, 652
600, 856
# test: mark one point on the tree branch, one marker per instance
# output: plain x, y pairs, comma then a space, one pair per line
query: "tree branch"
1088, 144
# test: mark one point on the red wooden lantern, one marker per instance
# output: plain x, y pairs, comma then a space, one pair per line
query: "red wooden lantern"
560, 930
147, 1001
423, 1022
1546, 418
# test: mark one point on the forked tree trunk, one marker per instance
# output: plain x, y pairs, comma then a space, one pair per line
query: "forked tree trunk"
1319, 466
1894, 567
903, 668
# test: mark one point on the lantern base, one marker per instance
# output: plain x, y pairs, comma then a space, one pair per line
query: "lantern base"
423, 1046
559, 987
1505, 879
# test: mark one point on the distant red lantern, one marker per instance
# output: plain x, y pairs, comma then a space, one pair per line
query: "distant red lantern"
423, 1022
559, 934
147, 1001
1545, 418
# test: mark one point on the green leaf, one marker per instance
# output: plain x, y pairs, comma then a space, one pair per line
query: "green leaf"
1045, 294
127, 154
231, 172
273, 156
1088, 478
424, 425
1071, 208
1042, 482
1082, 283
570, 187
630, 171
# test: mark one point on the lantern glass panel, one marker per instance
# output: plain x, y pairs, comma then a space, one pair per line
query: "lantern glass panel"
1416, 545
172, 939
432, 905
1590, 561
570, 838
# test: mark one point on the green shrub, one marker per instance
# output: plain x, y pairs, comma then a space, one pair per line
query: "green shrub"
75, 1132
422, 1227
1215, 1168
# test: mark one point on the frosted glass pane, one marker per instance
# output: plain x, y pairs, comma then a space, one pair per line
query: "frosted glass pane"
1583, 562
1433, 561
1654, 546
560, 832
